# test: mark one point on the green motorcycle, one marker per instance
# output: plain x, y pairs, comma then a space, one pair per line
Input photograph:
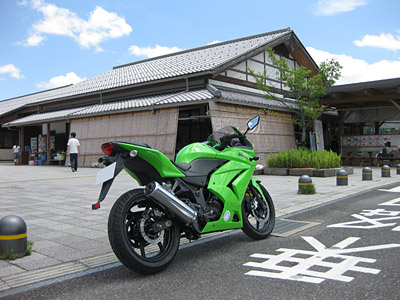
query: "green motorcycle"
208, 188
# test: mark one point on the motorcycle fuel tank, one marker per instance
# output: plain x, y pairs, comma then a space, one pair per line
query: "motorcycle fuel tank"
195, 151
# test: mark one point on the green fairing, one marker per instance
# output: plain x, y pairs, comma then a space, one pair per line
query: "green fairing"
158, 160
239, 169
195, 151
255, 183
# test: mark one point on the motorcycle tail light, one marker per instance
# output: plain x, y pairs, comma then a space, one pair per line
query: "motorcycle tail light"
107, 148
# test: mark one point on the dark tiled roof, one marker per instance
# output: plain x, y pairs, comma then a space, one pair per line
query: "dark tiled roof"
155, 101
185, 63
116, 106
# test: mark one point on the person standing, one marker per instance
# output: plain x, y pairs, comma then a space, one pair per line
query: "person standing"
15, 151
74, 148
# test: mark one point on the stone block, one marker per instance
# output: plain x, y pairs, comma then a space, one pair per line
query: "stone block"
301, 171
258, 171
324, 172
276, 171
348, 169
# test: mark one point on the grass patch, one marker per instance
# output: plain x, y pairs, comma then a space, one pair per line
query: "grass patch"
29, 246
11, 255
304, 158
308, 190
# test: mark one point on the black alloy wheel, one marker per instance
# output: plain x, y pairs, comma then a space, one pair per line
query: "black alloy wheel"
258, 214
141, 235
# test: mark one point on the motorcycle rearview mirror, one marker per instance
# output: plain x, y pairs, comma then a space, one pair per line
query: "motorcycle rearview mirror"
251, 124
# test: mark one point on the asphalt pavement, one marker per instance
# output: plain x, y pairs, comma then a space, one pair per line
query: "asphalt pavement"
69, 237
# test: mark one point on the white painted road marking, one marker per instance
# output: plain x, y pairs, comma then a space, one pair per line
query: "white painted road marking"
297, 265
393, 190
369, 223
394, 202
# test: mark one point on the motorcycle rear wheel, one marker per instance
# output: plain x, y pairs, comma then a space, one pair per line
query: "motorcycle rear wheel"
132, 235
258, 214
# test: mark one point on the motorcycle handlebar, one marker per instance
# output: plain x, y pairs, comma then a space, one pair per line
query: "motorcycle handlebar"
227, 139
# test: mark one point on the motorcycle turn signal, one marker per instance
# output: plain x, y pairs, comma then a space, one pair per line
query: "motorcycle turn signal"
133, 153
95, 206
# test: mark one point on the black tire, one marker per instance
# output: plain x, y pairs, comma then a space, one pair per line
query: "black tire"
258, 220
132, 237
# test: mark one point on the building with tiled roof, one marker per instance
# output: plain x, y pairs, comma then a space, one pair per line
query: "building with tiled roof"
166, 102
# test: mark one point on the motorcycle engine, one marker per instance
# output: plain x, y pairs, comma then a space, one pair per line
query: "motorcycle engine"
216, 206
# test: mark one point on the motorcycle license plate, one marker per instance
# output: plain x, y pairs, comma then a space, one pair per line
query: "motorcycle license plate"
106, 174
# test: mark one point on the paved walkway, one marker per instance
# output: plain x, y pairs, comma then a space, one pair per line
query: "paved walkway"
70, 237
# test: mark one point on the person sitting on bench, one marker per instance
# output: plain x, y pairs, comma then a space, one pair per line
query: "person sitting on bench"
386, 152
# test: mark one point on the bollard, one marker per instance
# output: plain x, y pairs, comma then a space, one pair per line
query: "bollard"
385, 171
398, 169
13, 236
342, 177
304, 181
366, 173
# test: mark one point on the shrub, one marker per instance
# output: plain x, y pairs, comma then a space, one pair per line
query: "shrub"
304, 158
308, 190
12, 256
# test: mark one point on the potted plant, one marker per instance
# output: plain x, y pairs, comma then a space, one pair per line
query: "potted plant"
60, 155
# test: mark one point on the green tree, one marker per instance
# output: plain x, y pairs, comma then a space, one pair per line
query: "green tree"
305, 89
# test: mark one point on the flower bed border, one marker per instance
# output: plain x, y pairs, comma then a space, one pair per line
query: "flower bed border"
305, 171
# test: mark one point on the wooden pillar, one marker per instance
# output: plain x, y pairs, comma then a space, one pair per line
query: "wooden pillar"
341, 132
22, 138
48, 143
22, 145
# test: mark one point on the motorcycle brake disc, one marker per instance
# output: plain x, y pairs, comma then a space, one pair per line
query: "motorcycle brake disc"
154, 238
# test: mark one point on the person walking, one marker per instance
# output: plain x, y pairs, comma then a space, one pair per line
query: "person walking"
74, 148
15, 151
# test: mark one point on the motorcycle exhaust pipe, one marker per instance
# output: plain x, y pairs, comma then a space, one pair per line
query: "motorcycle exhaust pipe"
171, 202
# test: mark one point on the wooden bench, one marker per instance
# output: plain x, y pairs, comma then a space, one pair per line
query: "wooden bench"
57, 161
388, 161
357, 160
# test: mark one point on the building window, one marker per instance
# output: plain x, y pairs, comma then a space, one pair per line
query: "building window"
6, 139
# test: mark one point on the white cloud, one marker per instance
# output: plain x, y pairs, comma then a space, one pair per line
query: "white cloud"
334, 7
12, 70
384, 40
152, 52
358, 70
100, 26
61, 80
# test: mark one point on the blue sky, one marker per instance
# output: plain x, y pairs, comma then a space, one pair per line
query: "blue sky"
50, 43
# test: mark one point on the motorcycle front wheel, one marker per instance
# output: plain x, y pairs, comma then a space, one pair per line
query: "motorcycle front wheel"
258, 214
140, 233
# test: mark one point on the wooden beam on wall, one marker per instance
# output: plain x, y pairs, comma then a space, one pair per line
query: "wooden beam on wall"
395, 103
357, 99
372, 92
363, 108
